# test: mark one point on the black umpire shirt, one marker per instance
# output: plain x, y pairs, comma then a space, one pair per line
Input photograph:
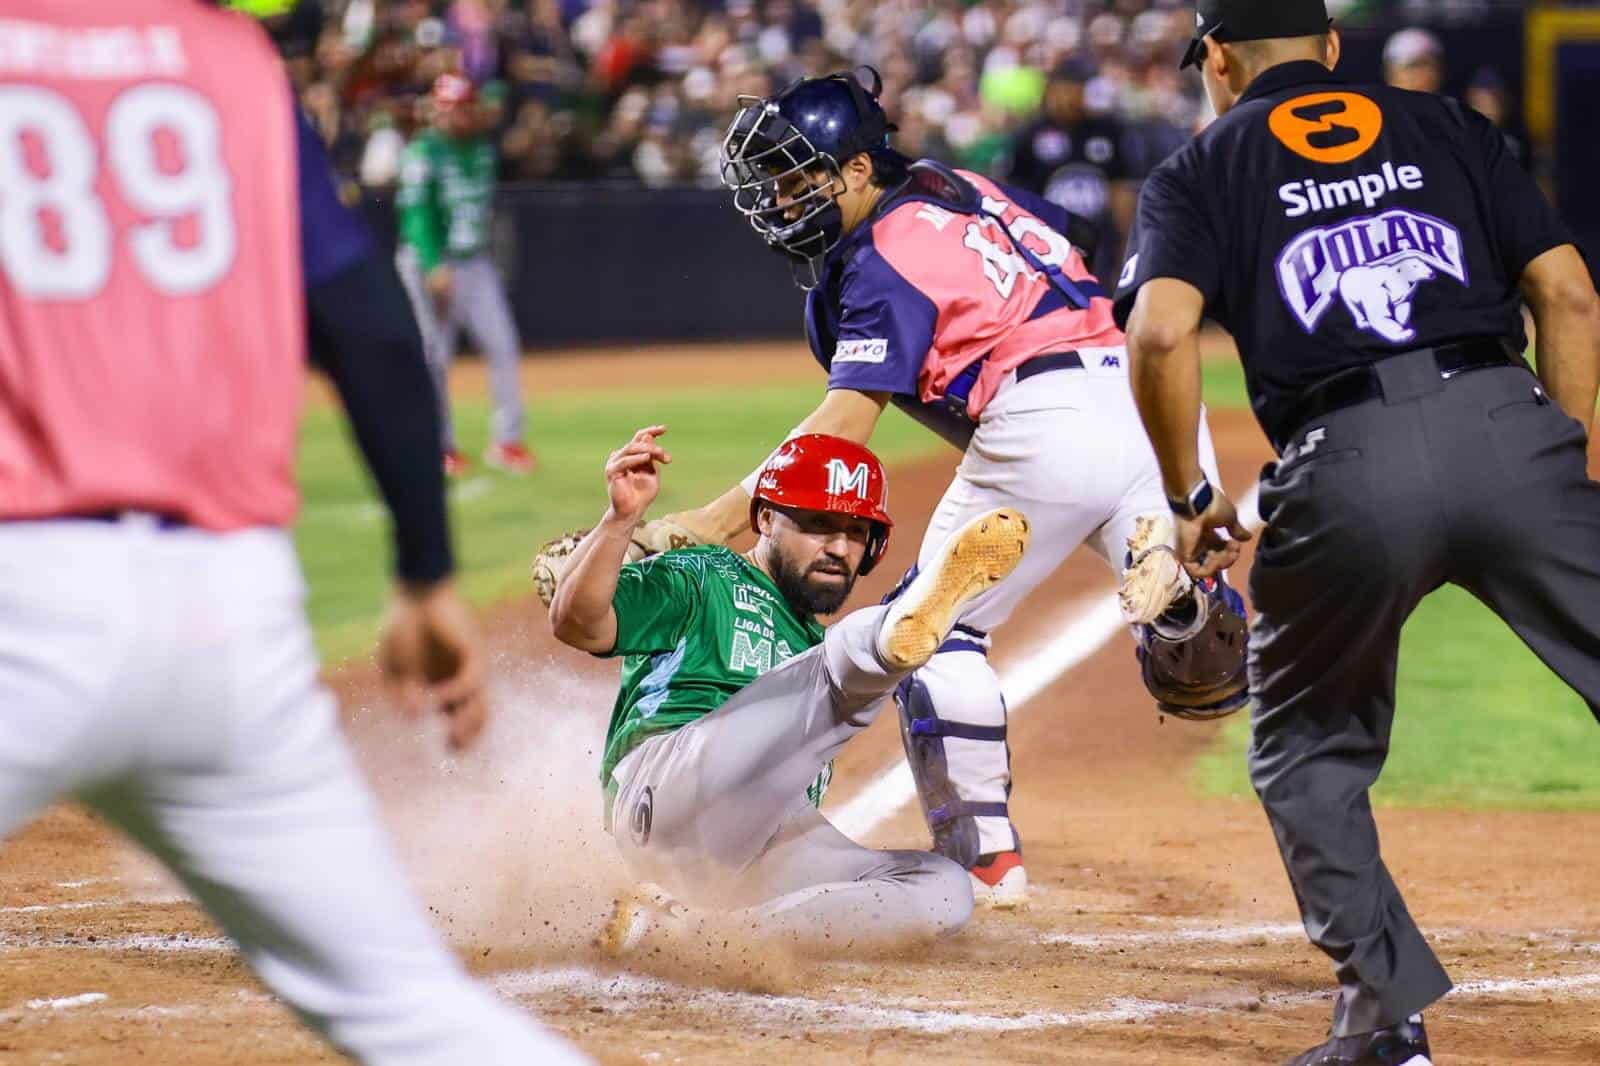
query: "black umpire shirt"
1331, 225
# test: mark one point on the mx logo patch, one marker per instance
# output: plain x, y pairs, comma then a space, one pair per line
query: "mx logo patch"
1373, 265
843, 480
643, 817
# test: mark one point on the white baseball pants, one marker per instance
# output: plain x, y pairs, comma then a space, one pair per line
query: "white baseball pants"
167, 677
1068, 450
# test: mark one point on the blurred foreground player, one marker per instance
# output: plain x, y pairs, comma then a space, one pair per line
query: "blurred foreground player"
155, 659
446, 202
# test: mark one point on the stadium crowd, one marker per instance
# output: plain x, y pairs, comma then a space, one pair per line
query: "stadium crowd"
640, 90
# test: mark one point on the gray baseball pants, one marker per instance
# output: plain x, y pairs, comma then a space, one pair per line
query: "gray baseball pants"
1478, 481
478, 302
716, 812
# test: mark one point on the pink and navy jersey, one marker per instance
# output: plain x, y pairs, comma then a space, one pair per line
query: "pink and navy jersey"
933, 301
157, 186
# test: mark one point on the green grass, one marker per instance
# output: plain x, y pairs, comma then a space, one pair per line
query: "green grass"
1480, 722
716, 434
1222, 384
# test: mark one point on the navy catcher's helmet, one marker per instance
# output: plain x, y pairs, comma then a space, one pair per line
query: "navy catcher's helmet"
774, 149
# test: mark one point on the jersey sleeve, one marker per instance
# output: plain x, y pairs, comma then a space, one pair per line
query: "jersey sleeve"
886, 327
1171, 239
653, 603
420, 225
1525, 224
331, 236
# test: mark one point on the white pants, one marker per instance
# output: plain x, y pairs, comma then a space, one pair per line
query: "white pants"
168, 678
1067, 449
478, 302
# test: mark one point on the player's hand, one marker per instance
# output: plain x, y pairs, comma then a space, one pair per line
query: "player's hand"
1202, 547
440, 282
433, 657
632, 480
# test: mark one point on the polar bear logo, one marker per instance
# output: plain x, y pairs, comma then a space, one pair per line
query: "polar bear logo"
1379, 295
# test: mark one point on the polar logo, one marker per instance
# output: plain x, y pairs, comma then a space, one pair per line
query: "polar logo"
1373, 265
843, 480
1379, 296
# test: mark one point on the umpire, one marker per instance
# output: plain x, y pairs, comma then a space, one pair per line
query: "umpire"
1370, 250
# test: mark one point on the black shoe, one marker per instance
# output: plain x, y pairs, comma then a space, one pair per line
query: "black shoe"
1405, 1044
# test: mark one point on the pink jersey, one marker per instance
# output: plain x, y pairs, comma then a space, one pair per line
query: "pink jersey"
927, 292
152, 321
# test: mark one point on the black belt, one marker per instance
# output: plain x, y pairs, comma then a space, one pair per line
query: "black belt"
1360, 384
960, 387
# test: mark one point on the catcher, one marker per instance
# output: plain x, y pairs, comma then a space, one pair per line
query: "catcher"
968, 304
734, 700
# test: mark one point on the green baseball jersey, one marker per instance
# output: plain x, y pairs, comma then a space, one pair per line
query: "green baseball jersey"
695, 626
446, 196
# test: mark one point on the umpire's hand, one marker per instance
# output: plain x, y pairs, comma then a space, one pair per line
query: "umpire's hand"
1202, 547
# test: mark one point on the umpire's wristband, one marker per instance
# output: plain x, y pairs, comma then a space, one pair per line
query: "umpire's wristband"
1196, 503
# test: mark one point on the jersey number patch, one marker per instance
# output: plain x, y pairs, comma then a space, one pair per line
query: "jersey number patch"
1002, 263
164, 149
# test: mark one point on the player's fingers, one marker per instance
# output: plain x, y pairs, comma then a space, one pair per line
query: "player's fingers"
1238, 531
631, 464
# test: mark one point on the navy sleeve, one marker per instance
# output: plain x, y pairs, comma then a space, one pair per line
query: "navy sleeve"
1171, 239
331, 236
886, 328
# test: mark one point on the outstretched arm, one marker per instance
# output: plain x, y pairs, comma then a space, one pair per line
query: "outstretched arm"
582, 613
843, 413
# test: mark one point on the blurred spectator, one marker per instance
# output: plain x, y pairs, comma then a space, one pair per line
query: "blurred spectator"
1414, 59
1486, 94
1078, 160
641, 90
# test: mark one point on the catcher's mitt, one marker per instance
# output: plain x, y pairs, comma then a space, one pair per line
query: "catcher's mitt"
652, 538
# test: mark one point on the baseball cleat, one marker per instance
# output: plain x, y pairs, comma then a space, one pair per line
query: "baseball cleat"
999, 881
1153, 577
455, 464
634, 915
513, 458
977, 556
1405, 1044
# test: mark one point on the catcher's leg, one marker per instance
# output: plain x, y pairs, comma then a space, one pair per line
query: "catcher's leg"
485, 311
952, 715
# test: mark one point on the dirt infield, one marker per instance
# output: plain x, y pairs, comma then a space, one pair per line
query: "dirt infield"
1162, 928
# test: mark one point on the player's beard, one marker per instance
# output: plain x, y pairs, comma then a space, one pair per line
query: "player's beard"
802, 590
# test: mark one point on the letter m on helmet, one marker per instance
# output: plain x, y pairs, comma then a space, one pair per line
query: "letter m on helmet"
844, 479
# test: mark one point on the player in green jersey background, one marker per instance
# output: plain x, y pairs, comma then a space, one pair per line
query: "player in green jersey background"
734, 699
446, 206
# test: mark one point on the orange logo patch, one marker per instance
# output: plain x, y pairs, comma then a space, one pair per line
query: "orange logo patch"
1327, 127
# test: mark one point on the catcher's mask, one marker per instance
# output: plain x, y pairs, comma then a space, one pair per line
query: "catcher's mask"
818, 472
781, 157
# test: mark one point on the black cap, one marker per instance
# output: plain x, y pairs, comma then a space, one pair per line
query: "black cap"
1254, 20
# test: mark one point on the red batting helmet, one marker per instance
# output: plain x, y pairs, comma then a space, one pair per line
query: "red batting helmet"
816, 472
451, 90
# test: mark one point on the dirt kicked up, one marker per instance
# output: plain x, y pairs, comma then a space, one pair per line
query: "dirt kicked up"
1161, 929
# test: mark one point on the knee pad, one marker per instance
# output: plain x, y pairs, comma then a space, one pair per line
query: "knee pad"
1193, 658
952, 820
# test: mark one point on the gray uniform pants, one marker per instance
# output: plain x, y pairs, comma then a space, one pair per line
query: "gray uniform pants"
477, 301
1479, 481
716, 812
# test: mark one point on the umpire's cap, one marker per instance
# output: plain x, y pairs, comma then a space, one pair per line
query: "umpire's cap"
1253, 20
